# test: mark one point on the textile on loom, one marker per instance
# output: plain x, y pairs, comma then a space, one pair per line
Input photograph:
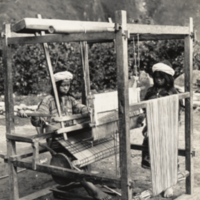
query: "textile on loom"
162, 123
106, 112
109, 101
104, 141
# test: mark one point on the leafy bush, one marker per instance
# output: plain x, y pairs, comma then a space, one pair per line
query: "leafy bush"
30, 74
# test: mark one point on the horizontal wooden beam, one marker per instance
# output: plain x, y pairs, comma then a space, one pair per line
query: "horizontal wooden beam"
75, 176
157, 29
143, 104
90, 37
13, 34
181, 152
78, 28
18, 38
147, 37
76, 37
31, 25
73, 31
31, 139
19, 138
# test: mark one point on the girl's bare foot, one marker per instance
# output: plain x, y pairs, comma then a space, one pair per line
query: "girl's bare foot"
94, 192
168, 192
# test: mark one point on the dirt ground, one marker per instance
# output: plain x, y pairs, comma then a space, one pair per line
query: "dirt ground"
30, 181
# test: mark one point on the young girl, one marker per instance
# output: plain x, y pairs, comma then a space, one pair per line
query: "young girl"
68, 104
163, 86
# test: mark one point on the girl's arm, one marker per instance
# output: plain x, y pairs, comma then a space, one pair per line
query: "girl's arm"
44, 108
144, 131
79, 108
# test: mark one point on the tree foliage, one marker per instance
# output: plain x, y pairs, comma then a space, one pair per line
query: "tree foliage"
30, 74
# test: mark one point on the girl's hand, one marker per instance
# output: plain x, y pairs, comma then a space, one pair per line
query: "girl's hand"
22, 114
140, 121
144, 131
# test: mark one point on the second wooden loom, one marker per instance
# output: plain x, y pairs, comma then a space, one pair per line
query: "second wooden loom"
121, 119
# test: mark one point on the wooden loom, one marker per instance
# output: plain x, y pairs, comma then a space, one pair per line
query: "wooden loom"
93, 32
98, 140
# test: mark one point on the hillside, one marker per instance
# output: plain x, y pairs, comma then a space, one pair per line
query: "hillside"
90, 10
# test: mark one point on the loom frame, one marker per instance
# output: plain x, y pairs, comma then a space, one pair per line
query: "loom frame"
121, 33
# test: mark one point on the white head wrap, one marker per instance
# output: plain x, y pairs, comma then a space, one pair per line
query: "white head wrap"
163, 68
63, 76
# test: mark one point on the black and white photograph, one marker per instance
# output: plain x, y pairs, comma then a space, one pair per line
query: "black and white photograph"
99, 100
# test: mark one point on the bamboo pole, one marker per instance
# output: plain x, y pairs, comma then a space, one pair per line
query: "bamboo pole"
46, 51
70, 174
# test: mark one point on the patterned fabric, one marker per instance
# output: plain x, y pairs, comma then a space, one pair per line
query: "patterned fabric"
69, 106
162, 123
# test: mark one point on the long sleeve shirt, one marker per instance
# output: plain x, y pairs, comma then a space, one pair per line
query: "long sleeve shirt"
152, 93
68, 104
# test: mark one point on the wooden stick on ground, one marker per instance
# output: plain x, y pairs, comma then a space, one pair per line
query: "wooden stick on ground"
112, 190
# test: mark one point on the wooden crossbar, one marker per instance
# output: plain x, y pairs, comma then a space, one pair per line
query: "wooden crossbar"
147, 37
28, 25
69, 173
19, 38
19, 138
76, 37
143, 104
157, 29
181, 152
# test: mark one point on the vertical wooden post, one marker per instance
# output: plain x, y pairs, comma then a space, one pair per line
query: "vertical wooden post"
9, 105
35, 146
189, 108
86, 72
123, 99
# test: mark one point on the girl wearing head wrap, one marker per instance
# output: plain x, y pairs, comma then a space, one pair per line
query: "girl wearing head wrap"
163, 86
68, 104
